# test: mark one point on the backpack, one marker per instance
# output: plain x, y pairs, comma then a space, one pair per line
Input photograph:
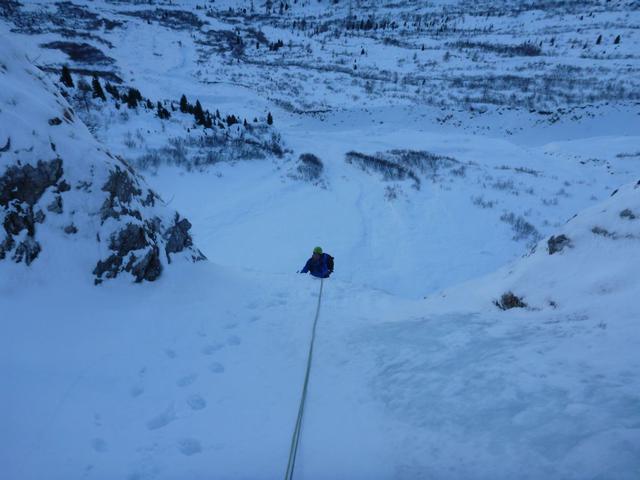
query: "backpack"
330, 263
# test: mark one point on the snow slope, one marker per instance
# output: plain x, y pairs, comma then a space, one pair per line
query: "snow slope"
200, 378
198, 374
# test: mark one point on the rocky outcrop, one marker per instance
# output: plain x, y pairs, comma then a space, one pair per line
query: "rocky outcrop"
21, 187
136, 246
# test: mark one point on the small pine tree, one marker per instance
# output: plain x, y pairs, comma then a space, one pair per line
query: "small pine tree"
65, 77
617, 40
97, 88
149, 104
599, 40
184, 105
245, 123
269, 119
208, 121
198, 113
133, 97
113, 91
162, 112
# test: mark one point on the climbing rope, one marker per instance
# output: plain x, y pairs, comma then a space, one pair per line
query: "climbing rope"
295, 439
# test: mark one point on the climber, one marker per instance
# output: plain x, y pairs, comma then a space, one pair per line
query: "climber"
319, 265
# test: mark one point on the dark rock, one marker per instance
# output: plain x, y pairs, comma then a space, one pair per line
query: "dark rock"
131, 237
55, 121
177, 236
109, 268
27, 183
626, 213
509, 300
27, 251
63, 186
39, 216
121, 188
602, 232
18, 219
556, 244
148, 268
7, 244
56, 205
70, 229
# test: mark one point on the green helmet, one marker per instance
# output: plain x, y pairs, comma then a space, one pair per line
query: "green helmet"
317, 250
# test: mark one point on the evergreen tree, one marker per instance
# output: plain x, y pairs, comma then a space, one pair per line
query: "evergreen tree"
198, 113
208, 121
133, 97
617, 40
65, 77
97, 88
599, 40
269, 119
113, 91
149, 104
184, 105
163, 113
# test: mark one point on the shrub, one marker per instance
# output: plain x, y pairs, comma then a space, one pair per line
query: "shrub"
508, 301
65, 77
557, 244
310, 167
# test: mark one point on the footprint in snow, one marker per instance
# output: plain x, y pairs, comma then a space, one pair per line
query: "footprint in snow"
136, 391
211, 348
234, 340
216, 367
170, 353
254, 318
99, 445
196, 402
186, 380
189, 446
162, 419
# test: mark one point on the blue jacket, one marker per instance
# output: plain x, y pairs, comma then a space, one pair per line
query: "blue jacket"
318, 269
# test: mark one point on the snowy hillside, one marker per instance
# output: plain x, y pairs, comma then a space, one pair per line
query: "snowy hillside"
473, 167
67, 203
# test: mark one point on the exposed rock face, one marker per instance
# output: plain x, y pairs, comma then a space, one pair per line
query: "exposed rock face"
177, 236
21, 187
28, 183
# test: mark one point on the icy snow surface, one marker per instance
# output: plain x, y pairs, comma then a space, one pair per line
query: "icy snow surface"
417, 373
